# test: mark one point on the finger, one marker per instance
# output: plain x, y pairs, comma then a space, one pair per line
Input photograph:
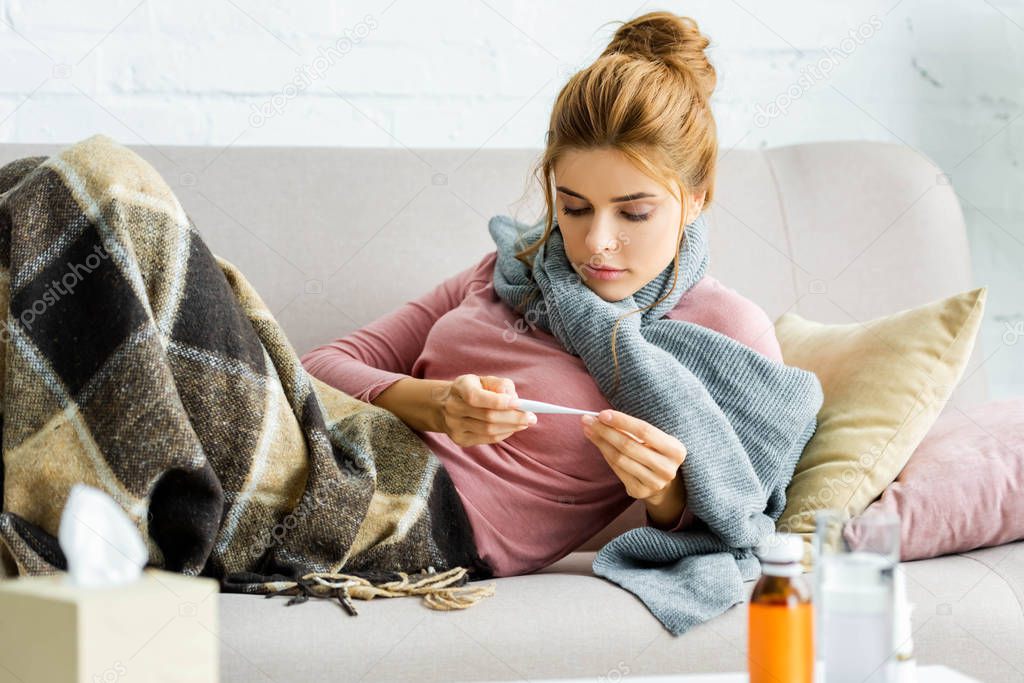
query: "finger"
479, 397
501, 385
633, 482
508, 418
487, 428
640, 429
642, 453
470, 392
640, 461
644, 431
464, 385
470, 438
465, 438
501, 437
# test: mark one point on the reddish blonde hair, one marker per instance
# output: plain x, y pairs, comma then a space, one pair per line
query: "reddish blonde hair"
647, 95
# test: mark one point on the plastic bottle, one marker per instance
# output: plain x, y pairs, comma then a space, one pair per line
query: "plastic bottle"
780, 618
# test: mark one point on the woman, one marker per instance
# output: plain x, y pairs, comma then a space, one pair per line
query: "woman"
628, 168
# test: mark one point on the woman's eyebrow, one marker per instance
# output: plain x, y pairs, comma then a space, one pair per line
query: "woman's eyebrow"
614, 200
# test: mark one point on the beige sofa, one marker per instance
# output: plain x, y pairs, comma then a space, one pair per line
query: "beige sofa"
333, 238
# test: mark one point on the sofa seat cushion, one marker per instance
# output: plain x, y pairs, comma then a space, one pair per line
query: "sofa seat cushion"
564, 622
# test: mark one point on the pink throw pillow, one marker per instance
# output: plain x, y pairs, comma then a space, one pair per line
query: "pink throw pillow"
963, 487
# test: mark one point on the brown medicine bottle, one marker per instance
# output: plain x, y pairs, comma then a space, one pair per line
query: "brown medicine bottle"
780, 617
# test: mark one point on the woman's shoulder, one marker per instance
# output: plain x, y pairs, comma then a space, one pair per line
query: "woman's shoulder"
714, 305
483, 269
471, 277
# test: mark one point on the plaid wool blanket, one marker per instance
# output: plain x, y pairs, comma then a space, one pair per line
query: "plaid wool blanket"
136, 361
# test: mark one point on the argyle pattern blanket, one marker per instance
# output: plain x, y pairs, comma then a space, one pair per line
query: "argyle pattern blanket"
136, 361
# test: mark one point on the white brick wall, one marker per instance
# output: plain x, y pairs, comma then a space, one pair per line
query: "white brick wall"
946, 76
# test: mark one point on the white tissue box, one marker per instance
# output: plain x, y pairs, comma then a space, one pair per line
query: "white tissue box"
162, 627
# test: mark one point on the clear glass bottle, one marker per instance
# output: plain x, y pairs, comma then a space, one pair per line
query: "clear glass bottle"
780, 617
855, 562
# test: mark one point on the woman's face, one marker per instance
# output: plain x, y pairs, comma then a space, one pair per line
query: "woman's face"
613, 216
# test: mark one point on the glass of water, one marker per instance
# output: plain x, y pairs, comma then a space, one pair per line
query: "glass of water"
855, 561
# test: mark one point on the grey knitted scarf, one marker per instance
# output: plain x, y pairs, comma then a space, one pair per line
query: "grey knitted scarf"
743, 418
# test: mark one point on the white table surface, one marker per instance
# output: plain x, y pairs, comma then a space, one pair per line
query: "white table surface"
925, 674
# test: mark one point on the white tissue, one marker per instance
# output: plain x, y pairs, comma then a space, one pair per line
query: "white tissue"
101, 543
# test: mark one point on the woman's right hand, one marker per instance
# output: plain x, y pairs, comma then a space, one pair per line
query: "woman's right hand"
475, 410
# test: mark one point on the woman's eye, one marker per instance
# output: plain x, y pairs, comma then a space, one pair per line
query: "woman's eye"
637, 216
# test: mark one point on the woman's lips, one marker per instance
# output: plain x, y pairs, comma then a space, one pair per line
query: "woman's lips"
603, 273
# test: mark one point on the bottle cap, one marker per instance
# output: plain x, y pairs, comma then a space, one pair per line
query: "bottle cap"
781, 548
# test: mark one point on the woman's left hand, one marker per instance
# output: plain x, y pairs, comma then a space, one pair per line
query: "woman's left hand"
647, 469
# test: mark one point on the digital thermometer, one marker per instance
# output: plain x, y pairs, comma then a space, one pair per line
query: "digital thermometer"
551, 408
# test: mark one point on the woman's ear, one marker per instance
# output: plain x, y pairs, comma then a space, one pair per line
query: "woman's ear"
694, 205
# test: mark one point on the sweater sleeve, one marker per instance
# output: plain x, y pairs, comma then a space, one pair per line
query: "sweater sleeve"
365, 362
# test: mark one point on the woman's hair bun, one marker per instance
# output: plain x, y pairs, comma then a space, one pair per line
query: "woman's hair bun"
670, 38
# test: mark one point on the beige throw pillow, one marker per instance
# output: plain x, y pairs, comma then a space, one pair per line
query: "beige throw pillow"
885, 382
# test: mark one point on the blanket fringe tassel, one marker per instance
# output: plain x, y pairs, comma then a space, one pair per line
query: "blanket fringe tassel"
436, 588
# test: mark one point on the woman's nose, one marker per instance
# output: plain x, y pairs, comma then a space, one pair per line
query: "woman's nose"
602, 236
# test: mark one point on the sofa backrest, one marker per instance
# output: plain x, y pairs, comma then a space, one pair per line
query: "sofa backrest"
334, 237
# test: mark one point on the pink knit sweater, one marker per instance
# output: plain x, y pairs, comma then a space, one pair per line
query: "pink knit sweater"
544, 491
